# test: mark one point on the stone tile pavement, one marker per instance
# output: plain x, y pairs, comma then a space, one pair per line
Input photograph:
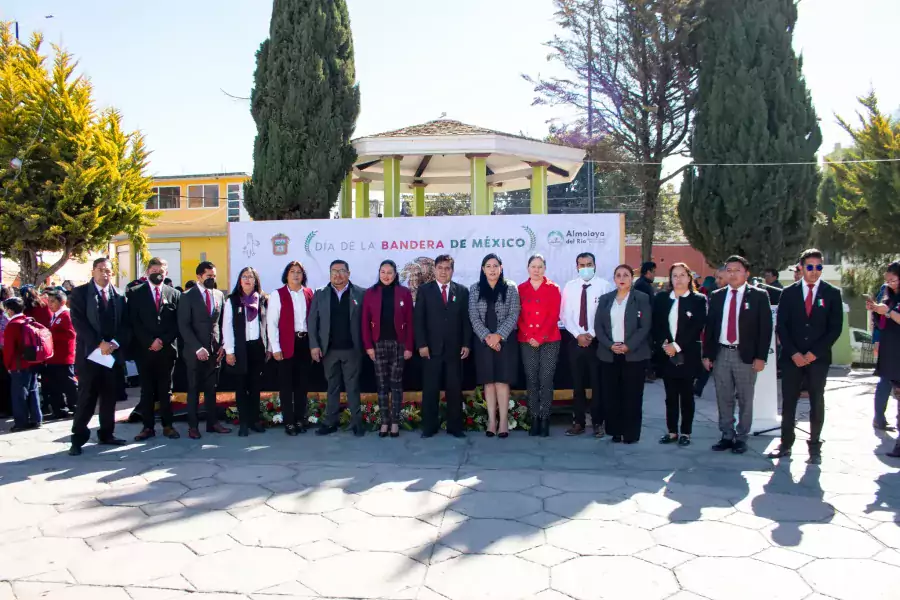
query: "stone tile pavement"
270, 517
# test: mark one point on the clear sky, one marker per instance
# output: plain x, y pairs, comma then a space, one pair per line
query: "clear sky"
165, 63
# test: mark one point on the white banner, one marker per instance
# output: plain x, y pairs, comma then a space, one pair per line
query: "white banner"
765, 393
414, 242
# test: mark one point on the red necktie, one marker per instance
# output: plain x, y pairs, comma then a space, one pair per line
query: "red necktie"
582, 315
103, 298
208, 303
731, 334
444, 293
157, 299
809, 299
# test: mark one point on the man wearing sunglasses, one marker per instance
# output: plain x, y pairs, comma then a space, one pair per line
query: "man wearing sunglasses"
810, 318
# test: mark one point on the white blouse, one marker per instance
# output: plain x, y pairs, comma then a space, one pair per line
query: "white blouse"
617, 318
673, 317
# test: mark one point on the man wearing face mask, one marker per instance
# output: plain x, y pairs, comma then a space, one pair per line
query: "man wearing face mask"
579, 304
153, 308
200, 326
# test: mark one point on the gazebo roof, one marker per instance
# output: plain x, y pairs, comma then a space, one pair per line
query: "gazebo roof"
436, 154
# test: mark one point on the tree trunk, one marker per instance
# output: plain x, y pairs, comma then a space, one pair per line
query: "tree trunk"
30, 271
651, 185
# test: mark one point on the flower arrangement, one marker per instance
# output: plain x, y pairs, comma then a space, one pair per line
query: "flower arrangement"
410, 416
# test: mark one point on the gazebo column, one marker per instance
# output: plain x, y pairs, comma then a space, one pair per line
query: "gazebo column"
346, 202
539, 188
418, 206
362, 198
391, 185
491, 188
478, 181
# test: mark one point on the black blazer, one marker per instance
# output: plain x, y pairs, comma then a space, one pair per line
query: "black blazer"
638, 324
445, 330
199, 328
773, 292
691, 321
816, 333
754, 324
84, 304
148, 324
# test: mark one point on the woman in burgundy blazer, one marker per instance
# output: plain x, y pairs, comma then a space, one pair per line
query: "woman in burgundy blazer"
387, 334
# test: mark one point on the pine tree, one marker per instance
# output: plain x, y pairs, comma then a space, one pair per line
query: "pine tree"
753, 106
305, 102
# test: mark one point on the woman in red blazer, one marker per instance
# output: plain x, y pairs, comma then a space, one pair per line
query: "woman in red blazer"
60, 385
387, 334
539, 339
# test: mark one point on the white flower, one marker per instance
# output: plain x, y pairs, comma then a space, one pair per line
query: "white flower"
512, 404
277, 418
513, 423
689, 314
314, 419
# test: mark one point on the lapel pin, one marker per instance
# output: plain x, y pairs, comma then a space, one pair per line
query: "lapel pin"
689, 314
821, 303
401, 303
746, 306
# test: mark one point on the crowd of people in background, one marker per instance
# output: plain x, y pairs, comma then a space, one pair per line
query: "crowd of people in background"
620, 333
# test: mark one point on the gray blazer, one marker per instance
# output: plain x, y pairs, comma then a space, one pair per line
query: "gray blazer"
507, 312
637, 326
197, 327
319, 322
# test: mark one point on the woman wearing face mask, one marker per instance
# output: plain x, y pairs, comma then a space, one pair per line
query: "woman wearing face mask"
678, 321
887, 315
623, 324
246, 346
494, 311
539, 340
387, 336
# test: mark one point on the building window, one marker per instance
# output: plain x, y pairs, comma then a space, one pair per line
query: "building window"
203, 196
234, 202
165, 198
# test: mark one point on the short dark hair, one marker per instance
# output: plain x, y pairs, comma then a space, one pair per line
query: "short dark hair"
738, 259
57, 295
287, 269
101, 260
204, 266
14, 305
589, 255
534, 256
647, 267
157, 262
445, 258
770, 271
811, 253
339, 261
189, 284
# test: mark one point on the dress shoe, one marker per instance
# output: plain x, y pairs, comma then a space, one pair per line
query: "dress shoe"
882, 426
145, 434
739, 447
326, 429
171, 433
489, 433
617, 439
630, 442
457, 434
723, 445
302, 426
503, 435
290, 430
59, 415
360, 431
74, 450
217, 428
684, 440
815, 453
781, 452
111, 441
535, 427
425, 434
258, 428
815, 459
243, 431
395, 434
545, 427
575, 430
599, 432
194, 433
668, 439
895, 453
18, 428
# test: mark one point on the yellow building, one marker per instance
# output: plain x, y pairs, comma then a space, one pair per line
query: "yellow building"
193, 226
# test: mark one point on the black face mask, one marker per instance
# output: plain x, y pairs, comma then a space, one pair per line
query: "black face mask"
209, 284
155, 278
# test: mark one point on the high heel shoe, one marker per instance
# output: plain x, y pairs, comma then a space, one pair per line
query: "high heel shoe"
489, 433
382, 433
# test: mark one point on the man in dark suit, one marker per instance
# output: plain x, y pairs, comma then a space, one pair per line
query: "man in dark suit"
810, 319
153, 308
100, 316
738, 336
443, 334
770, 276
200, 326
335, 339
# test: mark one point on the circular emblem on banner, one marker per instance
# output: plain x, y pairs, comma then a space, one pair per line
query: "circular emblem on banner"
555, 239
280, 244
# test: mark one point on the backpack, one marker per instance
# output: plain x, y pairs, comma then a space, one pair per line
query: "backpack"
37, 342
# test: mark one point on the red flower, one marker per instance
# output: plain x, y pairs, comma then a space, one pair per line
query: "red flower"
270, 406
237, 421
523, 403
470, 421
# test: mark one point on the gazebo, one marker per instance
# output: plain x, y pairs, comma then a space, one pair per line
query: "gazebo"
446, 156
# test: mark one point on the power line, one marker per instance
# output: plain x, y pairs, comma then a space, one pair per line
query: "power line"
752, 164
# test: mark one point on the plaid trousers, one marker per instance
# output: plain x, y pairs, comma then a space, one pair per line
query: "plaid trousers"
389, 377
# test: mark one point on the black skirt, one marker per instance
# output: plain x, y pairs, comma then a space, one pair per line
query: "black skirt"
492, 366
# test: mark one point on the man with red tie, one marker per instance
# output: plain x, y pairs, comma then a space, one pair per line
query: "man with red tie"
810, 319
736, 346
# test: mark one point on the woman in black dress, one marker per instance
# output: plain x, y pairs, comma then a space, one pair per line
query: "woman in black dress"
494, 310
888, 321
678, 321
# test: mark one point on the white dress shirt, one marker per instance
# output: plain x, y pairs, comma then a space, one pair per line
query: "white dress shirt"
570, 309
723, 334
273, 316
153, 289
102, 289
673, 317
617, 318
815, 290
61, 310
252, 328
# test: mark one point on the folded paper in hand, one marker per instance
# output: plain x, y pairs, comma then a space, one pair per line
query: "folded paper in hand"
106, 360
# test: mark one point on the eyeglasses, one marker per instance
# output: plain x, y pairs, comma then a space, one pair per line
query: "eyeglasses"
339, 271
813, 267
248, 278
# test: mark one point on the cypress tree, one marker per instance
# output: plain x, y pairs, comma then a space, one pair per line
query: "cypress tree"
305, 102
752, 107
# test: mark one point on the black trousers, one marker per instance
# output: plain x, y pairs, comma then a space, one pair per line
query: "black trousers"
793, 380
5, 397
60, 386
202, 377
679, 398
248, 384
95, 383
293, 383
437, 372
156, 370
586, 372
623, 384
